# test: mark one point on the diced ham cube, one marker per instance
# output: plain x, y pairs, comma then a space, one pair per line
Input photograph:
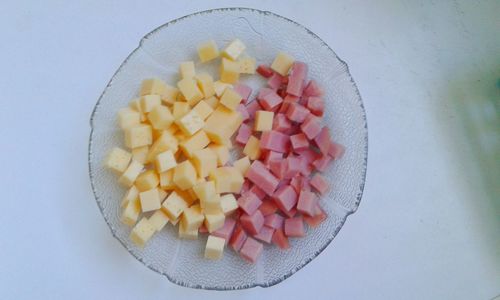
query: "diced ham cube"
336, 151
285, 198
298, 73
294, 227
311, 127
297, 113
280, 239
244, 90
269, 100
293, 166
275, 140
238, 238
265, 234
268, 207
252, 223
252, 108
278, 168
322, 163
226, 230
307, 203
249, 202
268, 156
244, 112
299, 141
251, 250
319, 183
319, 217
323, 141
244, 134
312, 89
265, 71
274, 221
275, 81
316, 105
262, 177
281, 123
258, 192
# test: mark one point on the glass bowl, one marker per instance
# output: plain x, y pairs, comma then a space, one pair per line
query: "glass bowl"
265, 33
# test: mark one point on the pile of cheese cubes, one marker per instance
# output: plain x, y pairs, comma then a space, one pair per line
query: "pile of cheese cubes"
177, 169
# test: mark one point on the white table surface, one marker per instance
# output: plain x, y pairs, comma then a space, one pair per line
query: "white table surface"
426, 227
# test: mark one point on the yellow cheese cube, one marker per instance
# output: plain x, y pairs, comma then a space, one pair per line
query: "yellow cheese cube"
173, 206
160, 117
147, 180
214, 221
228, 204
263, 120
222, 153
118, 160
158, 219
187, 69
212, 101
165, 142
142, 232
227, 180
128, 117
185, 175
192, 218
140, 154
222, 123
170, 94
131, 212
187, 234
206, 84
131, 173
220, 87
180, 109
190, 123
252, 148
211, 205
208, 51
203, 109
150, 200
130, 195
149, 101
167, 180
242, 164
190, 90
282, 63
247, 65
214, 247
152, 86
229, 71
196, 142
165, 161
230, 99
204, 191
139, 136
204, 161
234, 49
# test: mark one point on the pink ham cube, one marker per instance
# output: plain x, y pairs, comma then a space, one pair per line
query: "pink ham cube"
275, 81
244, 112
315, 220
269, 99
265, 71
249, 202
238, 238
278, 168
313, 89
307, 203
298, 73
257, 192
244, 90
268, 207
244, 134
280, 239
294, 227
316, 105
262, 177
297, 113
268, 156
252, 223
323, 141
285, 198
253, 107
281, 123
299, 141
319, 183
293, 166
322, 163
265, 234
226, 230
251, 250
336, 151
274, 221
275, 140
311, 127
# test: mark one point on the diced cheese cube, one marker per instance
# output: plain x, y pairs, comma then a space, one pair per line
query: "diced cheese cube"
165, 142
128, 117
208, 51
170, 94
192, 218
211, 205
229, 71
205, 161
139, 136
203, 109
222, 124
206, 84
142, 232
131, 212
187, 234
160, 117
165, 161
234, 49
140, 154
130, 175
263, 120
158, 219
222, 153
252, 148
173, 206
230, 99
220, 87
242, 164
167, 180
196, 142
152, 86
147, 180
204, 190
190, 90
118, 160
149, 101
180, 109
227, 180
187, 69
214, 221
282, 63
247, 65
212, 101
130, 195
228, 204
191, 123
185, 175
214, 247
150, 200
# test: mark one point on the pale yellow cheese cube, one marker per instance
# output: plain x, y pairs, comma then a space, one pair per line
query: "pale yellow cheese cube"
222, 124
160, 117
128, 117
196, 142
242, 164
139, 136
203, 109
252, 148
152, 86
192, 218
204, 190
214, 221
165, 142
220, 87
187, 69
140, 154
234, 49
191, 123
180, 109
230, 99
149, 101
208, 51
150, 200
190, 90
131, 212
229, 71
211, 205
158, 219
167, 180
165, 161
222, 153
204, 161
206, 84
173, 206
247, 65
263, 120
187, 234
214, 247
212, 101
185, 175
142, 232
228, 204
118, 160
131, 173
169, 95
147, 180
282, 63
130, 195
227, 180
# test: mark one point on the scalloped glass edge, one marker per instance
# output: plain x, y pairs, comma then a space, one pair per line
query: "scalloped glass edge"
344, 219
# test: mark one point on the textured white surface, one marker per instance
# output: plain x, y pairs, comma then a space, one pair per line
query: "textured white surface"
426, 227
